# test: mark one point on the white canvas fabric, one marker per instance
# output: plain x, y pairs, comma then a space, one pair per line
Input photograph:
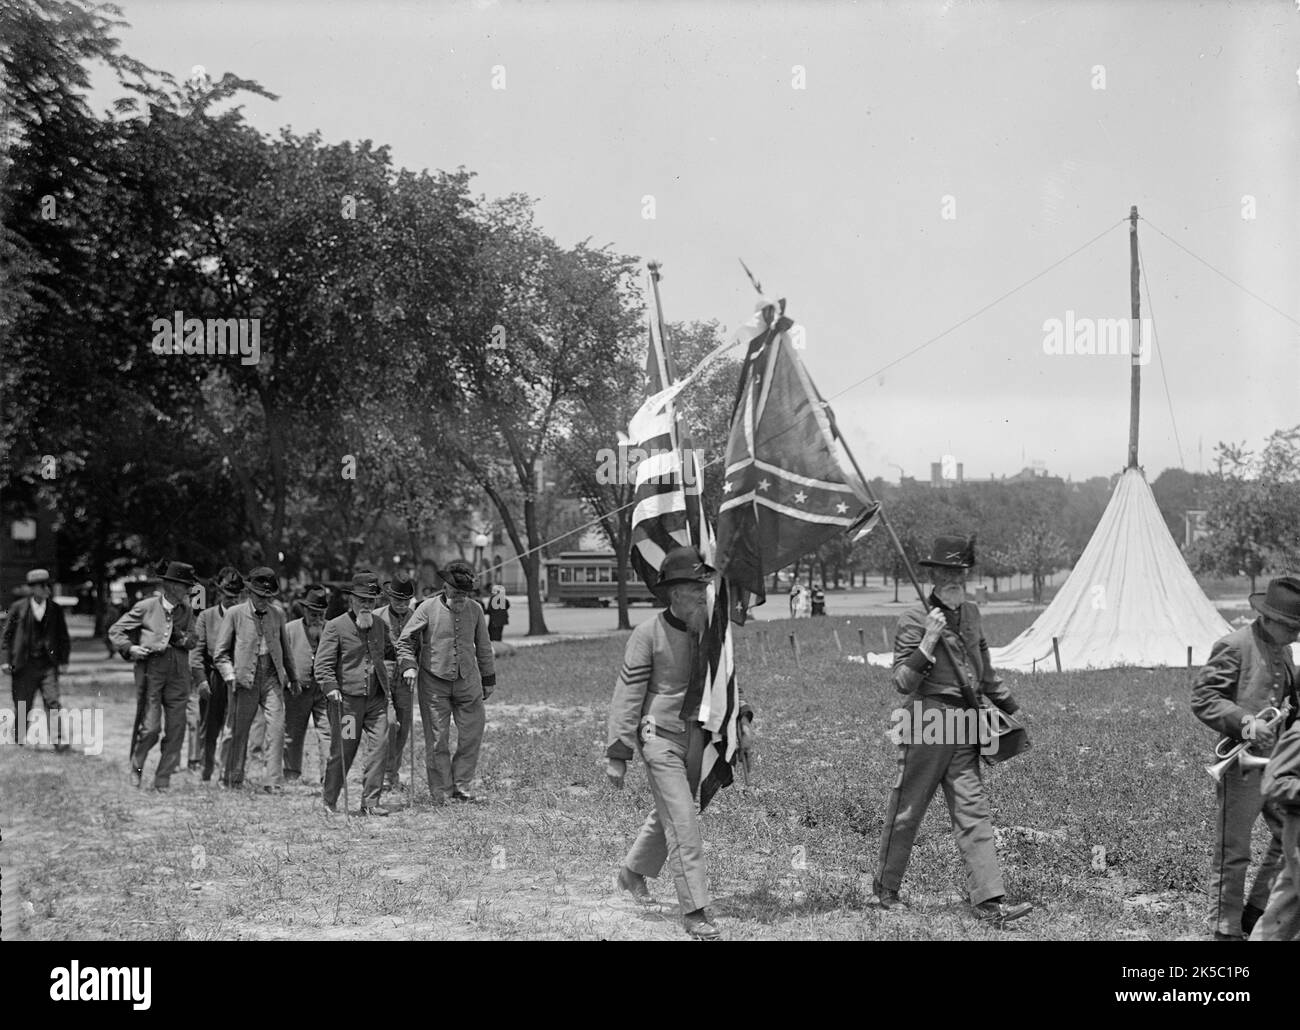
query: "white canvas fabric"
1131, 599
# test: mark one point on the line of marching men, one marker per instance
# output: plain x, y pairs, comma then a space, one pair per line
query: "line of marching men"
219, 671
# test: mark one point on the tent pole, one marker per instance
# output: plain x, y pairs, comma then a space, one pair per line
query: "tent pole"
1135, 340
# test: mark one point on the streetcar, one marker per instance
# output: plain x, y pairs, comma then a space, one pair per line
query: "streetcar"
584, 578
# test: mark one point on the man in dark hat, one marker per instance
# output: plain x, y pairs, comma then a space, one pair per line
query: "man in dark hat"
1250, 669
309, 703
207, 681
395, 615
656, 710
446, 643
36, 649
924, 670
158, 634
254, 658
350, 667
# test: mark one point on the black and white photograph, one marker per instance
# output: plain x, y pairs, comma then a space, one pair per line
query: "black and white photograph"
746, 470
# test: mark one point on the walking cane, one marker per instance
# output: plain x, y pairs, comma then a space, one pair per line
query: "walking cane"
336, 708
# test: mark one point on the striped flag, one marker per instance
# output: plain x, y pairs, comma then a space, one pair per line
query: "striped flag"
667, 513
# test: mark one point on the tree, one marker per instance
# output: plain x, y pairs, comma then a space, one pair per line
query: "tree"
1253, 510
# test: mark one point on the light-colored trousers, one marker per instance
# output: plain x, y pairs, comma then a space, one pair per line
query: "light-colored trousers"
441, 701
1281, 920
265, 696
1240, 804
671, 832
921, 769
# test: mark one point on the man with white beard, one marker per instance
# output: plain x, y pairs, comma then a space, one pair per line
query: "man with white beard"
350, 668
656, 710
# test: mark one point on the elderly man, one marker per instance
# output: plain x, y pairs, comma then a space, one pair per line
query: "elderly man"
36, 650
255, 660
309, 703
1250, 669
924, 670
395, 615
207, 681
158, 634
1280, 786
446, 642
656, 709
351, 669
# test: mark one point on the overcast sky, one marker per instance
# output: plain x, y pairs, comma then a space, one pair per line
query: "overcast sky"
834, 193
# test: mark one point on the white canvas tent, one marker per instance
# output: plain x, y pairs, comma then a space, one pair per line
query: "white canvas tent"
1131, 600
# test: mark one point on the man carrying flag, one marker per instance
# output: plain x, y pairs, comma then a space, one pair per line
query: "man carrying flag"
656, 711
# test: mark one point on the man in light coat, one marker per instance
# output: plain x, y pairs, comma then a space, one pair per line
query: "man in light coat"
255, 660
350, 667
157, 634
207, 681
446, 644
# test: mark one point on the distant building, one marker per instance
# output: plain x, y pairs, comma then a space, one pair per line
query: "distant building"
1194, 527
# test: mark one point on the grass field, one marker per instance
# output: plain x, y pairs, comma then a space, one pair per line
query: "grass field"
1117, 765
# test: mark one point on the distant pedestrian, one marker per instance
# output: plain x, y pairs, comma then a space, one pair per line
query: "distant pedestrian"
498, 612
36, 649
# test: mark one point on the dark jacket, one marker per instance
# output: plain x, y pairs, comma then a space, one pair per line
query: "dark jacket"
1244, 674
1281, 782
20, 628
343, 658
914, 673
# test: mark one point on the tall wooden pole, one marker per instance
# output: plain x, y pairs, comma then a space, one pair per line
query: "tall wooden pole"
1135, 340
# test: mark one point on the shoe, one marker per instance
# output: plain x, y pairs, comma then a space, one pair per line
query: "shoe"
996, 912
272, 788
161, 788
464, 797
888, 899
374, 810
328, 810
206, 777
136, 776
225, 785
698, 926
292, 777
1227, 936
1249, 917
194, 767
634, 884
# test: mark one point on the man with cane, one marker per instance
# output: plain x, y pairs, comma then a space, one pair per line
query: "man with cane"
350, 668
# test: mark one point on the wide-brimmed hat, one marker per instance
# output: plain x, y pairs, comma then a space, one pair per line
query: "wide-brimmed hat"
315, 598
229, 581
951, 552
365, 585
683, 565
38, 576
459, 574
179, 572
1280, 601
263, 582
400, 587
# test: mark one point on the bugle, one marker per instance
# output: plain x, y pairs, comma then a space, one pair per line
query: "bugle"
1240, 751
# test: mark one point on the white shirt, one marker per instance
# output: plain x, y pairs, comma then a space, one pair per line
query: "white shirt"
38, 609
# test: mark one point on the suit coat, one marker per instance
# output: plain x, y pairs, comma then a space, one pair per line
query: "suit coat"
1244, 674
236, 650
203, 657
345, 656
149, 624
20, 628
304, 655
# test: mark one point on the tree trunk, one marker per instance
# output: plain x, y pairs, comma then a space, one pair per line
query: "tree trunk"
536, 617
